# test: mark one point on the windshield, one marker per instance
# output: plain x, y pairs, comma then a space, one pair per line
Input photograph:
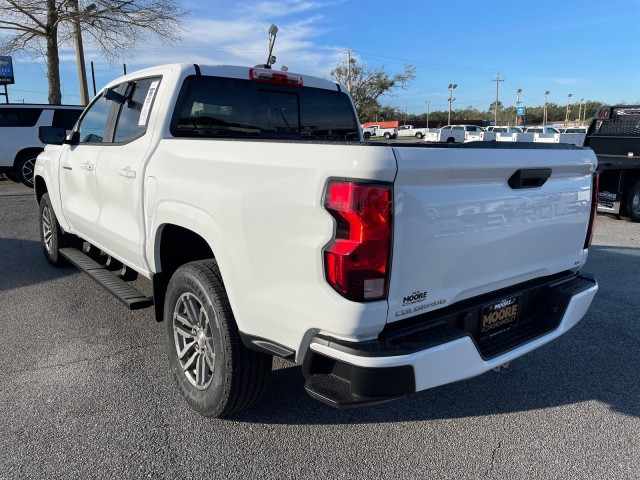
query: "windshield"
228, 107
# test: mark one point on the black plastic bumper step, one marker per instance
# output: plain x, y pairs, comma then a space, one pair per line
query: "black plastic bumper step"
117, 287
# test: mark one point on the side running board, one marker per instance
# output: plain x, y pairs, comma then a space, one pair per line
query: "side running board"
117, 287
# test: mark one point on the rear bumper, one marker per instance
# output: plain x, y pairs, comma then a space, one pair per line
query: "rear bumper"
437, 351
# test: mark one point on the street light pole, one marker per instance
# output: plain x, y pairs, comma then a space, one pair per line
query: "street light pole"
82, 73
580, 114
273, 31
428, 102
544, 109
452, 87
518, 92
566, 119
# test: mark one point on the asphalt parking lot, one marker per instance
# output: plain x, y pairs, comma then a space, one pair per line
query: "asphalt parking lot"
86, 392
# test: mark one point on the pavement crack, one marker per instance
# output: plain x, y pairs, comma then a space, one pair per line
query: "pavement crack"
493, 459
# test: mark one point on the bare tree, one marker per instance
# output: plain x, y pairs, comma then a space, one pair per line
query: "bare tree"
367, 85
114, 26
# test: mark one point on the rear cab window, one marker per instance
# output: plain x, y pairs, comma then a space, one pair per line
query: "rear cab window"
217, 107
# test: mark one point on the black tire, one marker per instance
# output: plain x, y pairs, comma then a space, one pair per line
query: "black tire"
632, 201
217, 375
51, 236
419, 135
366, 135
11, 176
387, 135
451, 140
25, 166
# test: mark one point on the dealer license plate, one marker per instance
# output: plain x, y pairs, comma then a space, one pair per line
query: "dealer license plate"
499, 315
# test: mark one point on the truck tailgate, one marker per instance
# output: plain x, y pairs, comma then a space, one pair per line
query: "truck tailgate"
461, 230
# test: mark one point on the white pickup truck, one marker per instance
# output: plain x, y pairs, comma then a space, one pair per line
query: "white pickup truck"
378, 131
267, 226
411, 131
451, 133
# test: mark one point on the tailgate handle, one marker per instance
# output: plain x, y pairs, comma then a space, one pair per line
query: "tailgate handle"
529, 178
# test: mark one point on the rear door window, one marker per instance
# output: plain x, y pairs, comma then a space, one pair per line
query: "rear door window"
134, 113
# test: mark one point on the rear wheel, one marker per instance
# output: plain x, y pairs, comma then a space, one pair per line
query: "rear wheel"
215, 372
387, 135
419, 136
633, 203
450, 140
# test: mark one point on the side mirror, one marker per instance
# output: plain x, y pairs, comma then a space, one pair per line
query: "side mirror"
114, 96
52, 135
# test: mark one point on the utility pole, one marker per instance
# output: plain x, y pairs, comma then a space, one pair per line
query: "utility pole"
518, 92
497, 80
452, 87
82, 73
349, 70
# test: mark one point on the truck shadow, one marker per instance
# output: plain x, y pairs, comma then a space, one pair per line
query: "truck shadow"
596, 361
22, 263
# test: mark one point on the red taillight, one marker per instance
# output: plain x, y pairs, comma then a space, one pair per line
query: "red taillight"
594, 208
357, 260
265, 75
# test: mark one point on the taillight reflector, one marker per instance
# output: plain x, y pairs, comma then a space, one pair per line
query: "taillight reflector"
594, 207
275, 77
357, 259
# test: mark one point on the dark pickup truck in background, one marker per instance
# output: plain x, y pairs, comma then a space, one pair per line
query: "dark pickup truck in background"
614, 135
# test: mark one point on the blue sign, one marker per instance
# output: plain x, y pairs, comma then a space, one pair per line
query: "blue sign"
6, 71
520, 111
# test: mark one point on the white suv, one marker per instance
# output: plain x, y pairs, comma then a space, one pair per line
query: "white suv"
19, 143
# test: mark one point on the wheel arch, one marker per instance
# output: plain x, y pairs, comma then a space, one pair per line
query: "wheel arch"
26, 152
175, 246
40, 187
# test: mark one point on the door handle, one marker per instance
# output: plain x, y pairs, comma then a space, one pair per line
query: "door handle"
127, 173
87, 166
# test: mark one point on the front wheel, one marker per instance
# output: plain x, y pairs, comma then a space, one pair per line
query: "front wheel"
366, 135
51, 236
215, 372
633, 203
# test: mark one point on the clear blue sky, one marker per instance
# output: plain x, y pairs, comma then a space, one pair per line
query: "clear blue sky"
588, 48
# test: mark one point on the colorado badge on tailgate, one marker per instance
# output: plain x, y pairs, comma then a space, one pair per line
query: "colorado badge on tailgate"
500, 315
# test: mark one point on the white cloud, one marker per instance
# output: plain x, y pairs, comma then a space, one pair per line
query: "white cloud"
279, 9
240, 42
